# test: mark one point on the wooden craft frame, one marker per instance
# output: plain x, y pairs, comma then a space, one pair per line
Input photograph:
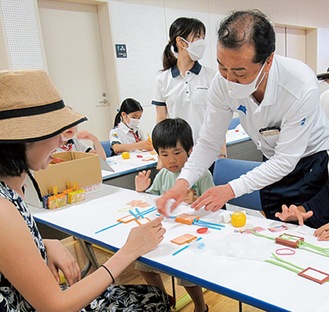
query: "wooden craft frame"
142, 221
312, 278
126, 219
289, 240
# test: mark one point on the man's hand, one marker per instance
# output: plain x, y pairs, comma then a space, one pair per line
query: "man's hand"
214, 198
176, 195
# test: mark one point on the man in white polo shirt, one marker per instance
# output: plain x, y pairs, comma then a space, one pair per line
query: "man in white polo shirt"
277, 100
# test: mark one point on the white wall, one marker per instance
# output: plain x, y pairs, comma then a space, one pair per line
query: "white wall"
143, 25
21, 33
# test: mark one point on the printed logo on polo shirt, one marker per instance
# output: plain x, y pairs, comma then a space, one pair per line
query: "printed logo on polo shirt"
201, 88
115, 135
302, 122
243, 109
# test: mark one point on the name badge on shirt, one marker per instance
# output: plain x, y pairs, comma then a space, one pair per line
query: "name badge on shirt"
269, 131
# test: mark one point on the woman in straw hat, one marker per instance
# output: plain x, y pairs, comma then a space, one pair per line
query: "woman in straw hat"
32, 116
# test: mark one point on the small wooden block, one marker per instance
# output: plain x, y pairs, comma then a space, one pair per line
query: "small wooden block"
186, 218
126, 219
186, 238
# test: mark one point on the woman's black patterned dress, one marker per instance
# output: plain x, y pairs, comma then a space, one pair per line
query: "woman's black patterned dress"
128, 298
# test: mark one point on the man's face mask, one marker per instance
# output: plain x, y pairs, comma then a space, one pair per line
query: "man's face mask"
239, 90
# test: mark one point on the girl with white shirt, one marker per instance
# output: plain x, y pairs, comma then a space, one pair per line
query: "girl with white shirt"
126, 135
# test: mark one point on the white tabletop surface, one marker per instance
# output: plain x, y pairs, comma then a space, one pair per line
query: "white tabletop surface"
138, 161
231, 263
236, 135
141, 160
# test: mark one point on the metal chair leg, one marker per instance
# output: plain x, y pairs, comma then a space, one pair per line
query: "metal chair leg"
240, 306
173, 290
90, 255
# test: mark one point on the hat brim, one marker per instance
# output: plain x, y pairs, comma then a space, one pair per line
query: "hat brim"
38, 127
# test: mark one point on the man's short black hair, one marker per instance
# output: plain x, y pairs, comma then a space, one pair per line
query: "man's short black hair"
248, 27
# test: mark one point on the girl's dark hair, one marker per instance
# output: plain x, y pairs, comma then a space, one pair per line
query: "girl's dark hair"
168, 132
181, 27
127, 106
13, 160
248, 27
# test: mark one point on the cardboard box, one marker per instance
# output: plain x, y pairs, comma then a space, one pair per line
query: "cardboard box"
82, 169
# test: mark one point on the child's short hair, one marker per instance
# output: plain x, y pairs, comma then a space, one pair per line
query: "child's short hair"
168, 132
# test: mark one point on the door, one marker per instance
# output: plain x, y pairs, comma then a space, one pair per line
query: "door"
74, 56
291, 42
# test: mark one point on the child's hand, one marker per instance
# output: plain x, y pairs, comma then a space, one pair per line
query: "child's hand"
145, 145
85, 135
322, 233
190, 196
142, 181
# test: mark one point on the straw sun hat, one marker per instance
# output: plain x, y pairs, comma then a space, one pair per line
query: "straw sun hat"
323, 76
31, 109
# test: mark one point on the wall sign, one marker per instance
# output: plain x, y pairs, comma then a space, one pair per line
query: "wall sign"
121, 50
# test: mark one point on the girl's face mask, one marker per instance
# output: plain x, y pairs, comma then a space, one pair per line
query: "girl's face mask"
195, 49
133, 123
240, 91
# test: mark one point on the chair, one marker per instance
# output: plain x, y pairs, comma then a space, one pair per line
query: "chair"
107, 148
234, 122
227, 169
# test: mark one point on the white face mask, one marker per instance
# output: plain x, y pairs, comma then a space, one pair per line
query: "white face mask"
239, 90
196, 49
133, 123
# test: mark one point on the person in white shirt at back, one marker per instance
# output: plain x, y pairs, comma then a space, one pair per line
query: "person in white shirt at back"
324, 97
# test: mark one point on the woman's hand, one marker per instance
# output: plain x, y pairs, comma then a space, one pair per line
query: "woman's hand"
142, 181
294, 213
144, 238
214, 198
60, 258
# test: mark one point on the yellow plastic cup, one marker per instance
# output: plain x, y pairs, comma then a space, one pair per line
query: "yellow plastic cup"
238, 218
125, 155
